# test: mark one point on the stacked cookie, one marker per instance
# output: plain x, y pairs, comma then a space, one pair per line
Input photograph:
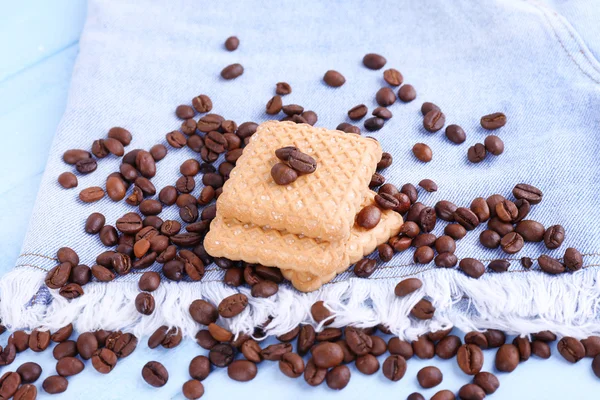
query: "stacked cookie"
306, 228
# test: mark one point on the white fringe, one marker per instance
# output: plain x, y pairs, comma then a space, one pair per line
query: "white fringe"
518, 303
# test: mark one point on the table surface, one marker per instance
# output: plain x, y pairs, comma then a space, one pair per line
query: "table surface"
34, 79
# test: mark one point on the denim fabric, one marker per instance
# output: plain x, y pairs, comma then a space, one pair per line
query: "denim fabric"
140, 59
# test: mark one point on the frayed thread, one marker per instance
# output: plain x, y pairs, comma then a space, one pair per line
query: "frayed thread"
516, 303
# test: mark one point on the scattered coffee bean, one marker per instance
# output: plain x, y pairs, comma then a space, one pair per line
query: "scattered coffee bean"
499, 265
476, 153
373, 124
374, 61
490, 239
423, 310
428, 185
67, 180
455, 231
447, 347
232, 71
155, 374
573, 259
455, 133
357, 112
334, 79
233, 305
283, 175
493, 121
554, 236
407, 93
512, 243
470, 359
91, 194
55, 384
494, 145
434, 120
467, 218
232, 43
429, 377
393, 77
29, 372
394, 367
69, 366
471, 391
422, 152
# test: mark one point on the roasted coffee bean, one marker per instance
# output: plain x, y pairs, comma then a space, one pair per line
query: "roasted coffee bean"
414, 212
506, 211
150, 207
455, 231
493, 121
87, 344
232, 43
66, 254
476, 153
130, 223
434, 120
310, 117
121, 263
526, 262
327, 355
407, 93
445, 244
173, 270
400, 347
423, 310
490, 239
338, 377
427, 219
393, 77
136, 197
264, 289
252, 351
292, 365
455, 133
102, 273
394, 367
471, 391
219, 333
373, 124
188, 213
527, 192
415, 396
446, 260
26, 392
203, 312
507, 358
145, 164
383, 113
532, 231
410, 229
314, 375
242, 370
320, 313
472, 267
94, 223
62, 334
376, 180
379, 346
368, 217
67, 180
58, 276
55, 384
155, 374
86, 165
185, 184
29, 372
39, 340
470, 359
423, 255
69, 366
232, 71
74, 155
114, 146
385, 97
422, 152
192, 389
274, 352
467, 218
503, 228
480, 207
386, 252
8, 354
274, 105
424, 239
358, 341
283, 88
592, 346
495, 338
333, 78
499, 265
283, 175
389, 188
176, 139
544, 336
289, 336
486, 381
573, 259
554, 236
511, 243
524, 347
423, 348
374, 61
492, 201
540, 349
429, 377
91, 194
358, 112
571, 349
65, 349
184, 112
271, 274
144, 303
129, 157
292, 109
447, 347
233, 305
306, 339
329, 335
386, 201
428, 185
438, 334
494, 145
523, 208
71, 291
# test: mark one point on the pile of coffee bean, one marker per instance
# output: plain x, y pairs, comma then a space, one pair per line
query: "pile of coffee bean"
142, 238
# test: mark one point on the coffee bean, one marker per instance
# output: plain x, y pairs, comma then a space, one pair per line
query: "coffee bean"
67, 180
386, 252
283, 88
455, 231
524, 348
368, 217
314, 375
428, 185
476, 153
494, 145
393, 77
232, 71
446, 260
427, 106
394, 367
26, 392
511, 243
386, 201
144, 303
234, 277
300, 162
506, 211
39, 340
69, 366
526, 262
274, 105
338, 377
334, 79
58, 276
145, 164
490, 239
415, 396
471, 391
429, 377
71, 291
434, 120
150, 207
400, 347
357, 112
374, 61
327, 355
55, 384
176, 139
447, 347
540, 349
571, 349
65, 349
74, 155
445, 244
407, 93
8, 354
573, 259
486, 381
86, 165
94, 223
467, 218
91, 194
359, 342
192, 389
424, 239
422, 152
383, 113
274, 352
423, 255
29, 372
385, 97
373, 124
184, 112
499, 265
423, 309
493, 121
503, 228
306, 339
189, 126
423, 348
232, 305
455, 134
507, 358
283, 175
470, 359
242, 370
532, 231
114, 146
591, 345
554, 236
87, 344
427, 219
264, 289
155, 374
410, 229
232, 43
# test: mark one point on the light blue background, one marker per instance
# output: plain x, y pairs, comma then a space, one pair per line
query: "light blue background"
38, 47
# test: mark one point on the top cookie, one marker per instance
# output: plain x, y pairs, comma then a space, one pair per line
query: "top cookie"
319, 205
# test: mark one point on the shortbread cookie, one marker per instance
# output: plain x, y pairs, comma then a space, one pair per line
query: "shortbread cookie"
239, 241
319, 205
